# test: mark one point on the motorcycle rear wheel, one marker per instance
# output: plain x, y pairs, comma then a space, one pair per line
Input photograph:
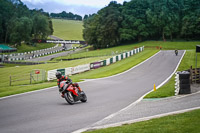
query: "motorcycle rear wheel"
69, 98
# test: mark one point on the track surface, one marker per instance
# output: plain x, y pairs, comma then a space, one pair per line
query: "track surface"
46, 112
49, 57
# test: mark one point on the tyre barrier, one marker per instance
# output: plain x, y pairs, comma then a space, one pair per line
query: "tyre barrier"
182, 83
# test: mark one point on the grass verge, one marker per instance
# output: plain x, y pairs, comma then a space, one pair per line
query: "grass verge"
168, 89
24, 71
117, 67
68, 29
181, 123
27, 48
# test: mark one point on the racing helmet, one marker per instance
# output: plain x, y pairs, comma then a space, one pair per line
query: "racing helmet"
58, 75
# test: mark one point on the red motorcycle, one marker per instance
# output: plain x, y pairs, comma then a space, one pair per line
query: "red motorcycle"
71, 93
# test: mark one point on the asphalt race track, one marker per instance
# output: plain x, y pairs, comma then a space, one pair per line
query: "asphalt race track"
46, 112
49, 57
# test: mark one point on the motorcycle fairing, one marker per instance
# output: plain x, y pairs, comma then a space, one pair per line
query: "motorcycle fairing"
72, 89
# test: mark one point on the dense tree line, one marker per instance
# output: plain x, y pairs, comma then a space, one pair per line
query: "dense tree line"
65, 15
18, 23
140, 20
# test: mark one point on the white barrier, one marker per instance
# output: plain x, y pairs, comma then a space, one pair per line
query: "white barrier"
68, 71
86, 67
80, 68
177, 82
51, 75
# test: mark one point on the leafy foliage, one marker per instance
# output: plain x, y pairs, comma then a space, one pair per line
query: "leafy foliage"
140, 20
65, 15
103, 29
18, 23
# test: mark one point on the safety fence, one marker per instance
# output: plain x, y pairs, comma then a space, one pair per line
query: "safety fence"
35, 76
195, 75
93, 65
32, 54
16, 54
25, 63
22, 79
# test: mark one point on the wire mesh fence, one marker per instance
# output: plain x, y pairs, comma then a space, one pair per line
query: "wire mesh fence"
35, 76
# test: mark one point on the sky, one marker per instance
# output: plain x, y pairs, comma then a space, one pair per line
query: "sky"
80, 7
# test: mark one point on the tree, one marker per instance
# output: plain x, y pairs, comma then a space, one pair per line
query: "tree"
157, 16
6, 13
90, 28
21, 30
191, 19
50, 26
40, 26
138, 20
134, 24
102, 30
85, 17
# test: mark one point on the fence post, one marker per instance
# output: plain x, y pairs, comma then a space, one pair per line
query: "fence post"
44, 76
10, 80
30, 78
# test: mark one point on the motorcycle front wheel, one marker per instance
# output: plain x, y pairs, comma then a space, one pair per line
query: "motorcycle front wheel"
69, 98
84, 97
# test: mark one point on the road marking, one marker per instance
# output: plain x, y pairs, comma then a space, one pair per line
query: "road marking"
173, 72
134, 103
80, 82
27, 93
136, 120
86, 80
186, 95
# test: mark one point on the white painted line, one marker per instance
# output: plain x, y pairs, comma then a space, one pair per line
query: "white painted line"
136, 120
27, 93
86, 80
173, 72
134, 103
79, 82
186, 95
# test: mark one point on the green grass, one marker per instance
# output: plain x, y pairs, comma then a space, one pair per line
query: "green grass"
168, 89
117, 67
12, 65
68, 29
116, 50
181, 123
6, 90
20, 71
27, 48
99, 52
170, 45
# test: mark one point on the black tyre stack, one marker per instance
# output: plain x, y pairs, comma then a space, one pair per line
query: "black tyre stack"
184, 80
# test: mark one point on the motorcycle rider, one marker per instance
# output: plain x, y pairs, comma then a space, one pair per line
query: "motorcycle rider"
60, 78
176, 52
